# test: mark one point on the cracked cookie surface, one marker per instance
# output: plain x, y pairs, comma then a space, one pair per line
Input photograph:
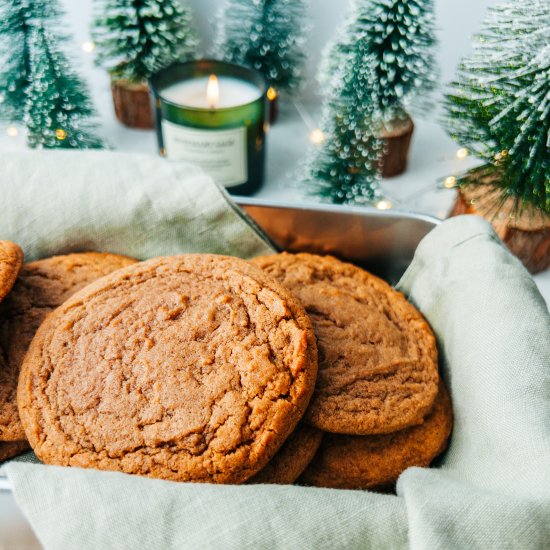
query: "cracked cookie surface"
41, 287
190, 368
377, 354
293, 457
11, 260
376, 461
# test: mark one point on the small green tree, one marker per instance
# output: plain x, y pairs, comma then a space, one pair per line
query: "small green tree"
399, 39
16, 23
379, 64
499, 106
267, 35
135, 38
57, 106
37, 84
345, 169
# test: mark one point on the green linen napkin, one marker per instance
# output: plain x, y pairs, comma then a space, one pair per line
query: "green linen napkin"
490, 490
141, 206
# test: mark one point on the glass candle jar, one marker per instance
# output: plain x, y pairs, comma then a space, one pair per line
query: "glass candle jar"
213, 114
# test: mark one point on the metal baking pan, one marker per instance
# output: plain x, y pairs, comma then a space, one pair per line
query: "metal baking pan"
383, 242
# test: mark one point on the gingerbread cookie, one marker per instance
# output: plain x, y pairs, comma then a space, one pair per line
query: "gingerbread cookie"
11, 260
293, 457
12, 448
41, 287
377, 354
376, 461
190, 368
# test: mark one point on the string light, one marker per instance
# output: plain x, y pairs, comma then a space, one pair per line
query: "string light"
88, 46
272, 94
462, 153
501, 155
12, 131
60, 134
449, 182
384, 204
317, 136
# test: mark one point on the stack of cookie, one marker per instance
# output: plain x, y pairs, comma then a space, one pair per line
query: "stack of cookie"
205, 368
378, 398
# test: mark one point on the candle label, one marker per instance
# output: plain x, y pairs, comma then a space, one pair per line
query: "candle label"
220, 153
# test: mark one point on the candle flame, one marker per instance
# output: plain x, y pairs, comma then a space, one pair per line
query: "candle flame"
213, 92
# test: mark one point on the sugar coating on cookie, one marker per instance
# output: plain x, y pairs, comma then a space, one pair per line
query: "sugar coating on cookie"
377, 354
376, 461
41, 287
293, 457
11, 260
189, 368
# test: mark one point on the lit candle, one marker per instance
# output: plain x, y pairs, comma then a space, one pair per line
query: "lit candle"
213, 114
211, 92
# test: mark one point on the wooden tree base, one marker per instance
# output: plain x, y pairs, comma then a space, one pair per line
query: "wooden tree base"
398, 141
526, 234
132, 104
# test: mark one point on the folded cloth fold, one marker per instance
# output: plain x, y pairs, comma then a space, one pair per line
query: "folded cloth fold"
490, 490
141, 206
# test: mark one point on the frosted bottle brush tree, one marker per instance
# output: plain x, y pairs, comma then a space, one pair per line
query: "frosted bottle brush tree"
37, 83
399, 38
499, 108
499, 105
267, 35
134, 39
399, 41
378, 65
344, 168
58, 108
16, 24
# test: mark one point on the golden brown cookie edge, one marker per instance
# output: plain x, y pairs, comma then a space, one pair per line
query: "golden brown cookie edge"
331, 467
292, 458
